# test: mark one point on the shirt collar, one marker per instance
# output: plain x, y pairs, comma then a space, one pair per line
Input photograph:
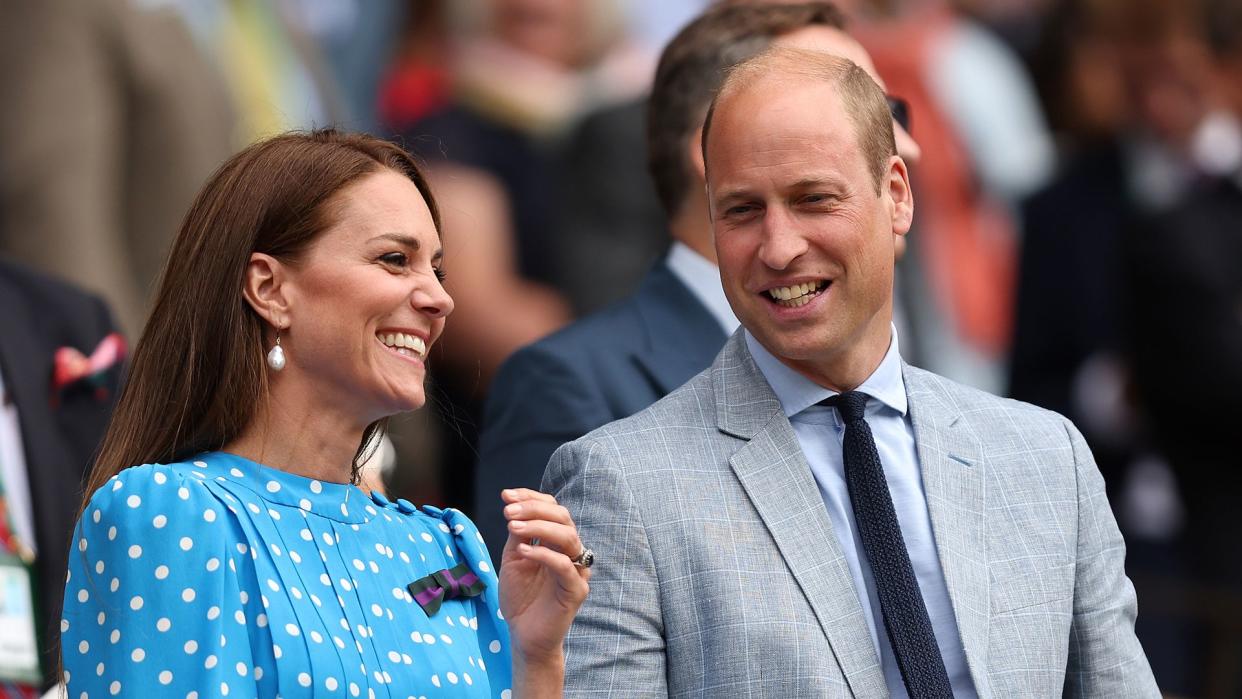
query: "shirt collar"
797, 393
702, 278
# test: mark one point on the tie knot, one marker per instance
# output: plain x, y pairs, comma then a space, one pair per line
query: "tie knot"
850, 404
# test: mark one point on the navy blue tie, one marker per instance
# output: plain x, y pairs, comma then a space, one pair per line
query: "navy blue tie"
905, 615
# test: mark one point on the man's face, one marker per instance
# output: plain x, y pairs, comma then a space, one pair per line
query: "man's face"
836, 42
805, 243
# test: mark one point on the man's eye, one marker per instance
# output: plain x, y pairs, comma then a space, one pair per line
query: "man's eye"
395, 259
739, 210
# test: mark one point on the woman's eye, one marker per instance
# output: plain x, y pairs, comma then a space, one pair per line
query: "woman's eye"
440, 275
395, 259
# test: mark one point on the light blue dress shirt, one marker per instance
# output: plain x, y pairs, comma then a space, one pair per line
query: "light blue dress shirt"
820, 433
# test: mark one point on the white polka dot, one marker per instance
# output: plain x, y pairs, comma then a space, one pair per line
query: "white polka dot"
160, 478
115, 636
138, 655
483, 566
273, 514
429, 639
277, 652
304, 504
466, 676
394, 656
292, 629
133, 501
427, 537
275, 550
294, 555
165, 677
64, 624
316, 637
111, 533
331, 684
163, 624
224, 689
239, 616
183, 493
83, 595
213, 613
258, 673
359, 564
435, 679
236, 472
273, 585
209, 515
191, 647
135, 551
188, 594
261, 620
243, 669
101, 618
494, 646
114, 688
82, 544
252, 507
316, 487
506, 694
186, 543
95, 516
446, 639
353, 689
161, 572
273, 487
115, 584
210, 662
213, 564
136, 603
83, 647
304, 679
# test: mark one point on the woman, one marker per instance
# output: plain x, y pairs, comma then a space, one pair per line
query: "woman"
295, 314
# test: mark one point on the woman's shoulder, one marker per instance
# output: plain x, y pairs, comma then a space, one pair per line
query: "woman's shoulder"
151, 495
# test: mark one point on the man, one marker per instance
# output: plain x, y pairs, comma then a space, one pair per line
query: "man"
617, 362
810, 516
54, 409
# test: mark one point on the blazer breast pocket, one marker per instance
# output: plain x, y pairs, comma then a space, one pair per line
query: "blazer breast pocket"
1030, 581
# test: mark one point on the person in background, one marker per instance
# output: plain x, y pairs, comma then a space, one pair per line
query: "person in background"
619, 361
61, 360
223, 547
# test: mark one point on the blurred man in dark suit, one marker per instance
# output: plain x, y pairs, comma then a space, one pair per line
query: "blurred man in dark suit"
60, 365
622, 359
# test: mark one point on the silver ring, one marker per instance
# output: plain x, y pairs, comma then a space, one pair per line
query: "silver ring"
585, 559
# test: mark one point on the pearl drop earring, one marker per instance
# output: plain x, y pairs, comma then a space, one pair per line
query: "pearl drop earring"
276, 357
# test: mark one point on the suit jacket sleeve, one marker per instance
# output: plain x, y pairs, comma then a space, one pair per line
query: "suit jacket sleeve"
537, 402
1105, 658
615, 647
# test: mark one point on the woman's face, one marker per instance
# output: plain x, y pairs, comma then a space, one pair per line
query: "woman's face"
366, 302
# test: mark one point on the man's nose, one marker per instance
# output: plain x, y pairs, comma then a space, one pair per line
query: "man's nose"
783, 242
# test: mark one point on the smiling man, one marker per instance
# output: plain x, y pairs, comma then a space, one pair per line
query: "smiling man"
811, 516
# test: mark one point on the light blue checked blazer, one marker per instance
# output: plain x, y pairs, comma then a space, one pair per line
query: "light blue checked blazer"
718, 573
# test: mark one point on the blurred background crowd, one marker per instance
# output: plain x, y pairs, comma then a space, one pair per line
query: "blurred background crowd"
1077, 242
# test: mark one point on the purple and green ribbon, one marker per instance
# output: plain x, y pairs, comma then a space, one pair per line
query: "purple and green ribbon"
450, 583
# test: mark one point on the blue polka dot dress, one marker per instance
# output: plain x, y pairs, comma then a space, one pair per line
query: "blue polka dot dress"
222, 577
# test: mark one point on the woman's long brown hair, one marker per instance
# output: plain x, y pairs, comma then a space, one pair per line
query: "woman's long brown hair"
198, 375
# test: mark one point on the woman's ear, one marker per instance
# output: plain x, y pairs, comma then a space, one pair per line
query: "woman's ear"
264, 289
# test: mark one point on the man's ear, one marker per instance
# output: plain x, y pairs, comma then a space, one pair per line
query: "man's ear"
264, 289
694, 154
897, 186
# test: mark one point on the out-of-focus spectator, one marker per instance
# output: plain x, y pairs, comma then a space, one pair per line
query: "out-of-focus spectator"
521, 72
1184, 294
985, 146
60, 365
112, 117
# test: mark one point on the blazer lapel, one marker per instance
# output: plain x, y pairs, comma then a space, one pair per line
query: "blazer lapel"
954, 480
682, 336
775, 475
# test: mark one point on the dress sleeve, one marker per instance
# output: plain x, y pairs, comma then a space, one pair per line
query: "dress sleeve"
493, 630
153, 602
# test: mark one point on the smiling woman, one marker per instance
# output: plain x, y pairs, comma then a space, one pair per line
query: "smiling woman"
224, 546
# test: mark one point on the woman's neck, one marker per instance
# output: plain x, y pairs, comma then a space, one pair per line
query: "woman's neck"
285, 435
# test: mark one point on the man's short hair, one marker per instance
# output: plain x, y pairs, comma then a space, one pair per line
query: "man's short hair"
862, 98
692, 68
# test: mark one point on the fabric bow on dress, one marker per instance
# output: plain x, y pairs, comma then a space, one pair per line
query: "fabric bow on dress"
450, 583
